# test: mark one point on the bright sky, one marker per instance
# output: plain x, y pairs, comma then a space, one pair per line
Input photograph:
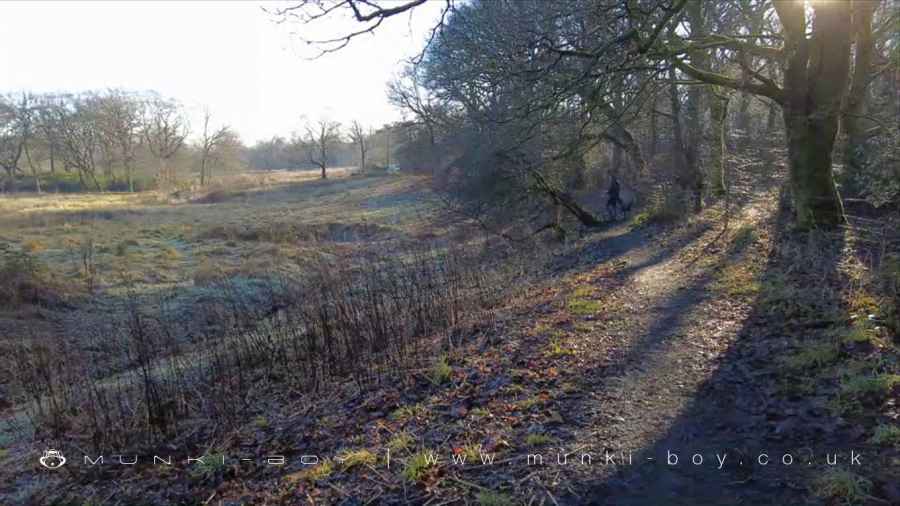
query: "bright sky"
229, 56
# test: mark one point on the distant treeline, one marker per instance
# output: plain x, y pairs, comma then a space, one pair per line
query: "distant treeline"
107, 140
118, 140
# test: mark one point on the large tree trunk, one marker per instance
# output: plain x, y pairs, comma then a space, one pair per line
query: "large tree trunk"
694, 113
570, 204
10, 177
616, 165
564, 200
34, 171
743, 119
771, 119
855, 106
814, 84
688, 177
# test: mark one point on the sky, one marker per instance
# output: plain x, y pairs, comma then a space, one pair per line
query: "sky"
232, 57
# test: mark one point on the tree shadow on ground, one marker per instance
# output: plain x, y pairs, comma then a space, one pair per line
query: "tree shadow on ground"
739, 409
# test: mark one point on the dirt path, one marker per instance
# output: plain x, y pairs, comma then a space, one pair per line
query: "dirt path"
650, 368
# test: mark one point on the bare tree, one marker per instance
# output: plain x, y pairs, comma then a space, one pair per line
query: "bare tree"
15, 130
504, 63
408, 93
76, 120
165, 130
119, 120
816, 62
46, 128
320, 138
361, 138
211, 142
852, 121
369, 13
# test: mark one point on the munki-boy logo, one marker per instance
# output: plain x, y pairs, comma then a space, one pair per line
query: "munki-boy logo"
52, 459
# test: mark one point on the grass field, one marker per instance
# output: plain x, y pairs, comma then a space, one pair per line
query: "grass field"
152, 240
95, 252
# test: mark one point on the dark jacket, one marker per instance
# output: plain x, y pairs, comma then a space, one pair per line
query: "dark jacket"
613, 191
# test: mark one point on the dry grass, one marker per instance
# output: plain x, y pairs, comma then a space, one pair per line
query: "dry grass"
158, 242
167, 279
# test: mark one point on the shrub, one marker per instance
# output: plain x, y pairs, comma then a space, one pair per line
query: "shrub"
210, 465
404, 413
658, 214
842, 485
538, 439
354, 458
876, 385
813, 355
326, 326
886, 435
441, 372
400, 442
556, 349
418, 465
25, 280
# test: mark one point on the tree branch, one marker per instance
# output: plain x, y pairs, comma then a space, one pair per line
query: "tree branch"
764, 89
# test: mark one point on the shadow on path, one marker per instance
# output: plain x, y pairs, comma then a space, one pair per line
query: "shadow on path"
729, 407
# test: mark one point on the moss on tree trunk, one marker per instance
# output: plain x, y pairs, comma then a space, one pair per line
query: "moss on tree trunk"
815, 81
810, 144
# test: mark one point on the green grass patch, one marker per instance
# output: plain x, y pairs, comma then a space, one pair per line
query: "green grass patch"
738, 281
401, 441
404, 413
813, 355
418, 465
887, 435
583, 307
545, 329
879, 385
471, 452
842, 486
538, 439
660, 214
580, 303
486, 498
857, 334
209, 466
353, 458
480, 412
440, 372
526, 404
555, 349
583, 291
